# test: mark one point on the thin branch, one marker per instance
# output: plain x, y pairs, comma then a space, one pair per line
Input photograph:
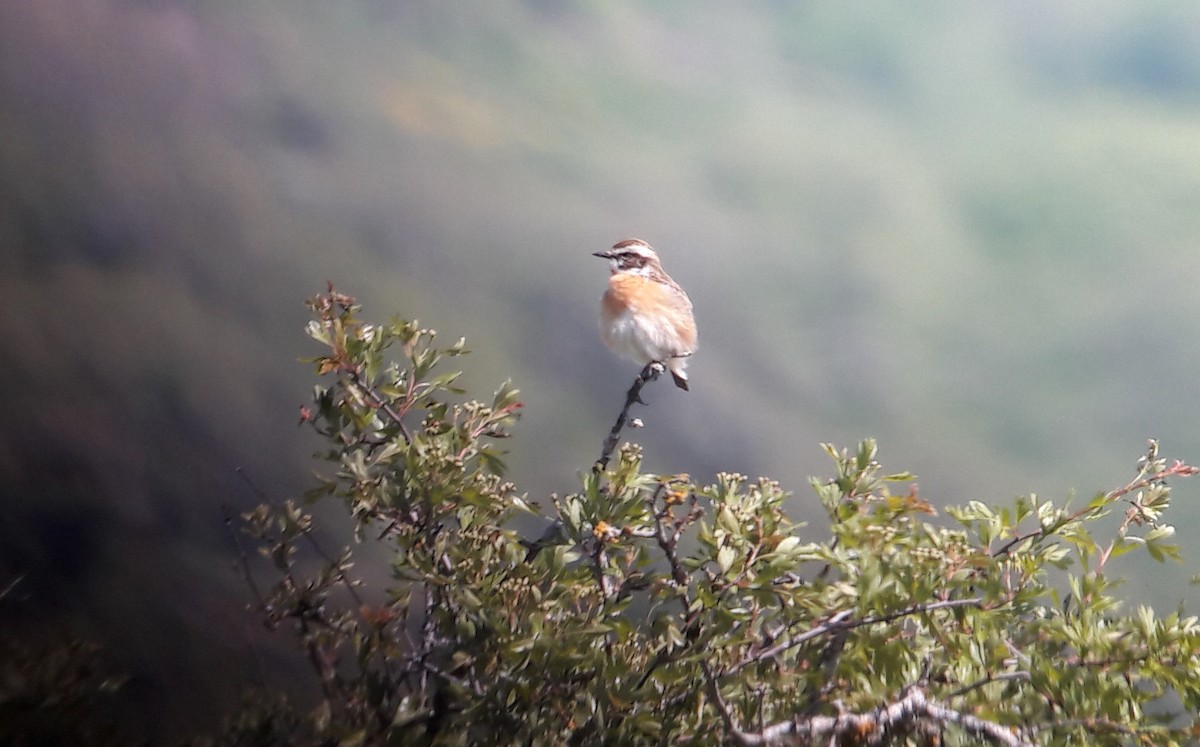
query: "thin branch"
1094, 725
1179, 469
827, 663
714, 691
648, 374
985, 681
379, 402
835, 623
322, 665
841, 621
599, 566
12, 585
325, 305
668, 542
307, 534
916, 609
243, 558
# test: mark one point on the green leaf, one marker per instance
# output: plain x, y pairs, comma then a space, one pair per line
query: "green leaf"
787, 545
727, 520
725, 558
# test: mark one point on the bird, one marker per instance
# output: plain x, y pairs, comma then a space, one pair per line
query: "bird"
644, 314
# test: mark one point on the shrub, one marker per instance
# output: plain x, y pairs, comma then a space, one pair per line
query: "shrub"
655, 609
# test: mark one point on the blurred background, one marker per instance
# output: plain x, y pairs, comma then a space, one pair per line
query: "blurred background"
969, 230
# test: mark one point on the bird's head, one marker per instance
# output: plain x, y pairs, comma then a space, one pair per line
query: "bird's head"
631, 255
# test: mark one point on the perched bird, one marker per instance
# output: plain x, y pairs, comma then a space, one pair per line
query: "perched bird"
645, 315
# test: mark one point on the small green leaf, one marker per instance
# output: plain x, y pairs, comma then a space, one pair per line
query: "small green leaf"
727, 520
725, 558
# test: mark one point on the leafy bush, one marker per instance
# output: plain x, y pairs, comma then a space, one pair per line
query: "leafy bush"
658, 610
56, 693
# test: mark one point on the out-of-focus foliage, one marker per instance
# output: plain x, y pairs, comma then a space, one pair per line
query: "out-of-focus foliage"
657, 610
57, 694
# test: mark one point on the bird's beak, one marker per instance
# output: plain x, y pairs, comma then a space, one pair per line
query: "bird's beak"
602, 255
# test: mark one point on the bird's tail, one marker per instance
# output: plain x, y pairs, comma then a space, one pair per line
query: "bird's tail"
679, 374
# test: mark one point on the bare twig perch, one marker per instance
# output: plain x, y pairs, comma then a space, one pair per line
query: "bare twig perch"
648, 374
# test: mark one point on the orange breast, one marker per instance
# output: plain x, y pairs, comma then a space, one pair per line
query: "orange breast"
659, 302
636, 293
